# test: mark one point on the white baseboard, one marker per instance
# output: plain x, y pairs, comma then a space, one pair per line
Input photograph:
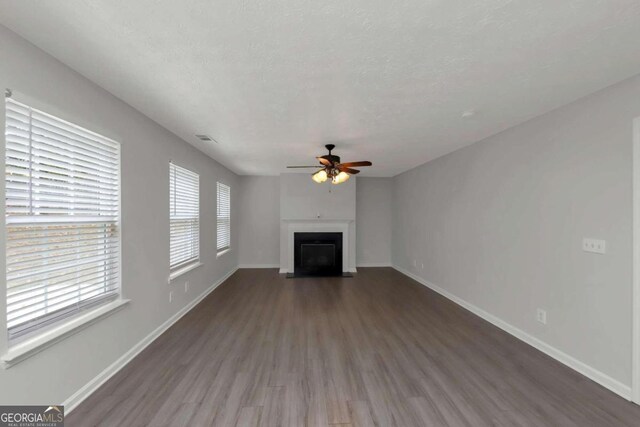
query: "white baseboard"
259, 266
382, 264
72, 402
573, 363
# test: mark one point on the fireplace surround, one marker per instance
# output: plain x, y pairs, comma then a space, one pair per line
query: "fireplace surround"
288, 228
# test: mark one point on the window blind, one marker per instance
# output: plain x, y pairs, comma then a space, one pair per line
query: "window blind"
184, 197
62, 211
224, 217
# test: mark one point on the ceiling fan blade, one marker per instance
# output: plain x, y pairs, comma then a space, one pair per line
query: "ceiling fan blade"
324, 161
297, 167
350, 171
362, 163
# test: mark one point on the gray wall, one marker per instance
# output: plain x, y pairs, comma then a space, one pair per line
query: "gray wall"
259, 216
302, 198
373, 219
500, 225
59, 371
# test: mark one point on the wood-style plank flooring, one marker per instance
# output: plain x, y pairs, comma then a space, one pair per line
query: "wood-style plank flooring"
375, 350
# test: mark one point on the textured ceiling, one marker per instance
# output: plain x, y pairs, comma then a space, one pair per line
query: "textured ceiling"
385, 80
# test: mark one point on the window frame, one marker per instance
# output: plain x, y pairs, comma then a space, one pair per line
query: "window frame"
194, 262
222, 250
64, 321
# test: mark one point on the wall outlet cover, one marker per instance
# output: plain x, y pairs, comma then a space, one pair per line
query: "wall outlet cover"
541, 316
595, 246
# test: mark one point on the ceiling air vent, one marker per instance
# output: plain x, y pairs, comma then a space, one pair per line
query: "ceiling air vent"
206, 138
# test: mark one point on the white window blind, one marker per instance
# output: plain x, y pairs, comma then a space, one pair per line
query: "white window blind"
224, 217
184, 197
62, 209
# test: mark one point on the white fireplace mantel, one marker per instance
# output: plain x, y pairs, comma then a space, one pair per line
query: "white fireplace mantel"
290, 226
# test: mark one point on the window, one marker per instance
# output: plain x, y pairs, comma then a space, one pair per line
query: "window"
62, 219
184, 240
224, 218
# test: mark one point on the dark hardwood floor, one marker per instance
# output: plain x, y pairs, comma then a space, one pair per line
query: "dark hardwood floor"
378, 349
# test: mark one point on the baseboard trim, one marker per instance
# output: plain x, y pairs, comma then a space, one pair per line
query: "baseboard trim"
374, 265
259, 266
595, 375
79, 396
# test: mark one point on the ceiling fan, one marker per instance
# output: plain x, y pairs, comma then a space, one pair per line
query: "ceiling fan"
330, 167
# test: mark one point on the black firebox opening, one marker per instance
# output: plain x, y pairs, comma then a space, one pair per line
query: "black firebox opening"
317, 254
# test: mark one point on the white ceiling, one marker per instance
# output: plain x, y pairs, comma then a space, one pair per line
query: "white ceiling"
385, 80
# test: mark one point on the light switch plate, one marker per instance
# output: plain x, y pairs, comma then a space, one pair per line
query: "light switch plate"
595, 246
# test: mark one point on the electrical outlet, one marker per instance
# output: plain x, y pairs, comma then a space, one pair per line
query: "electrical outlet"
170, 296
541, 316
186, 286
594, 246
422, 265
415, 263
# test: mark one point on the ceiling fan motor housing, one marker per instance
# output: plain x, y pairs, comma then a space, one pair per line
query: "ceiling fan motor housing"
333, 159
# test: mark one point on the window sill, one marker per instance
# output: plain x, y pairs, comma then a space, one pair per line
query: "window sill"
184, 270
222, 252
28, 348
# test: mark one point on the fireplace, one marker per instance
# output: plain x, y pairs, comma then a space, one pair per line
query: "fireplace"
317, 254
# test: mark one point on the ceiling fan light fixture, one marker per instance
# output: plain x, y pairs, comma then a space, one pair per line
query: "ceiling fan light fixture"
340, 178
320, 176
332, 168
